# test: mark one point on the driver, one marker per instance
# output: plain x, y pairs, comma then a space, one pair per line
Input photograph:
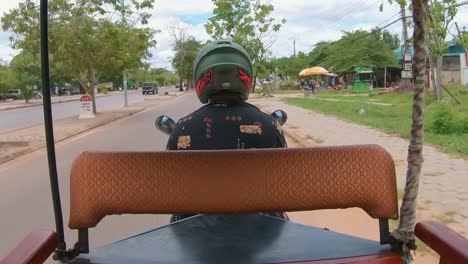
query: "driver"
223, 74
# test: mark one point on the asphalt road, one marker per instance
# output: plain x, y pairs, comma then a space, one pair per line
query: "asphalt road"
25, 199
29, 116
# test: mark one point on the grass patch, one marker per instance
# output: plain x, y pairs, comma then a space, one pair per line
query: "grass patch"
400, 193
450, 213
422, 246
316, 140
445, 219
393, 224
434, 173
287, 91
394, 119
300, 145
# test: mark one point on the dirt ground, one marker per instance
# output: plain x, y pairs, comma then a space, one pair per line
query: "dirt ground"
357, 222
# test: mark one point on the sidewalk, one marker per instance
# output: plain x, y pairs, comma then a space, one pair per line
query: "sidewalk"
443, 192
19, 142
22, 141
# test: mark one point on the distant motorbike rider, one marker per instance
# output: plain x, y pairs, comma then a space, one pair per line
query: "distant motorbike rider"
222, 72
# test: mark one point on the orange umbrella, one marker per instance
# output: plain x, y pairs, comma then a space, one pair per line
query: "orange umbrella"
313, 71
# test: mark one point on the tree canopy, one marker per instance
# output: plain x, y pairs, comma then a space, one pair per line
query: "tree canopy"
185, 53
247, 22
440, 17
359, 48
355, 48
84, 41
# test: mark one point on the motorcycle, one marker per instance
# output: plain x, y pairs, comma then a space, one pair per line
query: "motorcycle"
308, 90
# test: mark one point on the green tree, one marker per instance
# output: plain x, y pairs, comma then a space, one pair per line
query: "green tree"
247, 22
440, 17
83, 38
359, 48
24, 73
4, 85
318, 55
291, 66
185, 53
159, 75
462, 39
391, 40
406, 22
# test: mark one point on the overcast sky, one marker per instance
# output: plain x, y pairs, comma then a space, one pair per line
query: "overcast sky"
309, 21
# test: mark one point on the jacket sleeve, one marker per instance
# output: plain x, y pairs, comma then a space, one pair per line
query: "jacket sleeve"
172, 142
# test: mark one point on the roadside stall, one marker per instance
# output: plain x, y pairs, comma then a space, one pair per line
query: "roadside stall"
387, 75
332, 82
363, 78
316, 71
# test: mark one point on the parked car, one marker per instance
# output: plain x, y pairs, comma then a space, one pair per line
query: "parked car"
13, 94
150, 87
69, 90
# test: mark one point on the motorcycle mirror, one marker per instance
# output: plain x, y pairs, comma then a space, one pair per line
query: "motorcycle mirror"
280, 116
164, 124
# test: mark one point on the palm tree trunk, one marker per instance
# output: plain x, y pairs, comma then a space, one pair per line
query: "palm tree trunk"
404, 235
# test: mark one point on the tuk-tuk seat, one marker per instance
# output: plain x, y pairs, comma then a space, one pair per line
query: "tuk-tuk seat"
232, 181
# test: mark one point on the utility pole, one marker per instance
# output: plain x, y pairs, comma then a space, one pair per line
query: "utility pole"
125, 88
405, 82
293, 39
466, 49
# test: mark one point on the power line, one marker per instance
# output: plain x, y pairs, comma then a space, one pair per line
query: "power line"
340, 15
357, 7
334, 20
396, 14
353, 7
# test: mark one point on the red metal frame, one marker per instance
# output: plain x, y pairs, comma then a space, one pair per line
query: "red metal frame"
451, 246
35, 248
371, 259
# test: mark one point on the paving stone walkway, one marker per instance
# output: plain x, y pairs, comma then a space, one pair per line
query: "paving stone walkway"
444, 179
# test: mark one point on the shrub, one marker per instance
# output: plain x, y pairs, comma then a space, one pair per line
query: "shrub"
444, 120
464, 124
428, 98
287, 85
27, 93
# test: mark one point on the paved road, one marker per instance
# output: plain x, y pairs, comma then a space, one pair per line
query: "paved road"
29, 116
25, 202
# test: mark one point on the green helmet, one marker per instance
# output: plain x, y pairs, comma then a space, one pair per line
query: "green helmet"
222, 66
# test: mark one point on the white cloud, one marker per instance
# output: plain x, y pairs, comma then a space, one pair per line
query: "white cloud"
182, 7
316, 21
163, 53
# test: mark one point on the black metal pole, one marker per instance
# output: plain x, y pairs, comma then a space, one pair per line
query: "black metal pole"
49, 131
